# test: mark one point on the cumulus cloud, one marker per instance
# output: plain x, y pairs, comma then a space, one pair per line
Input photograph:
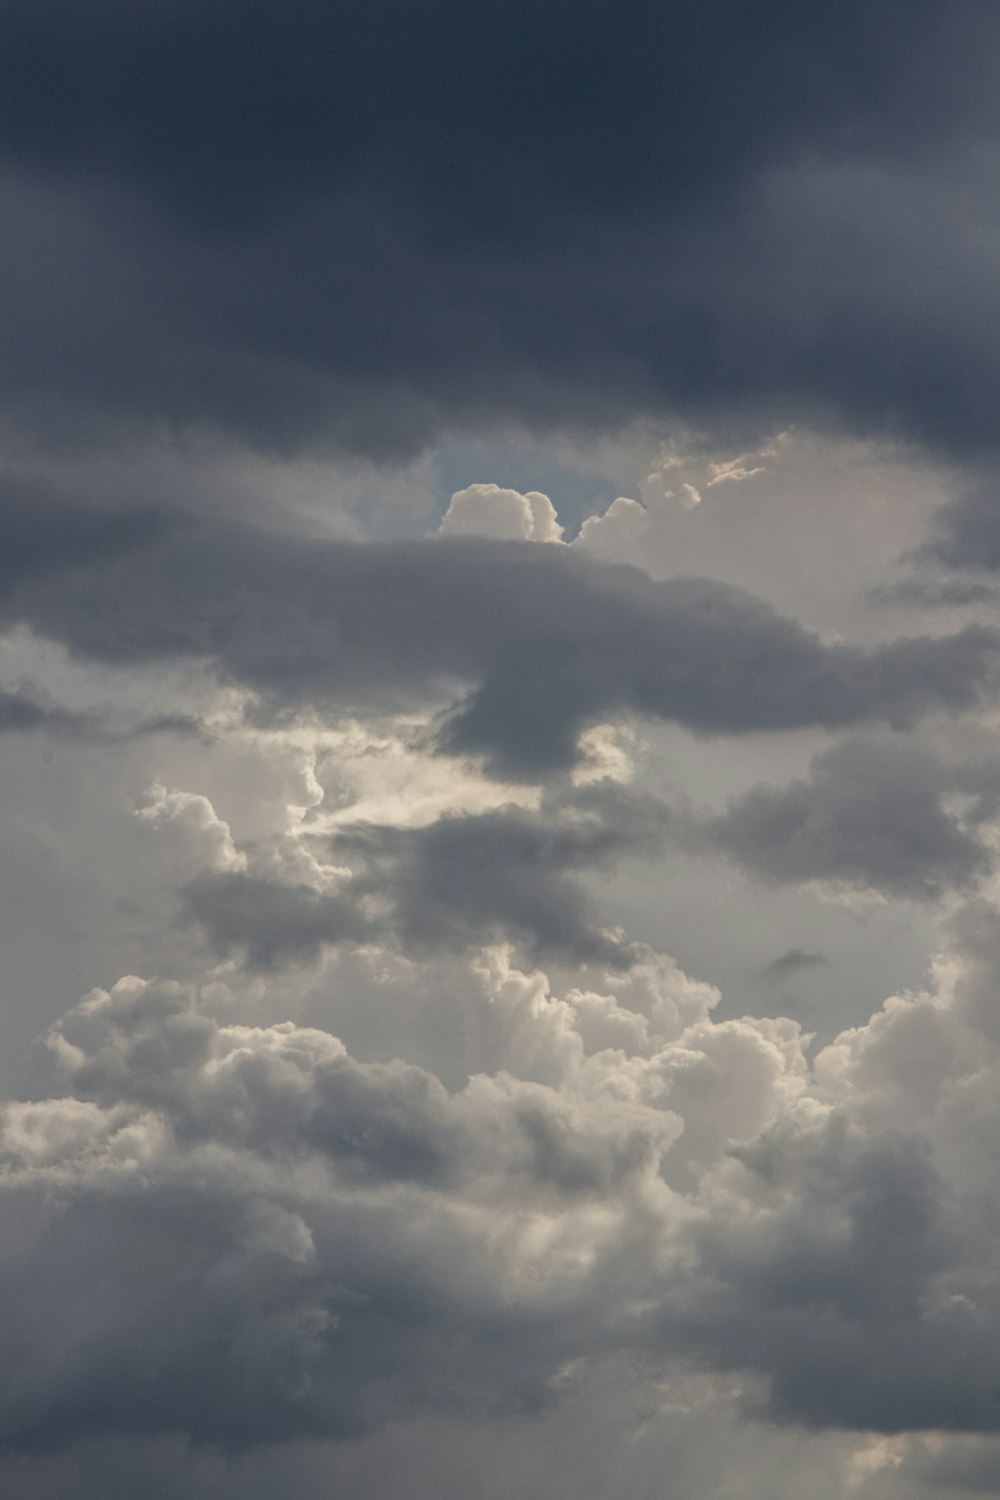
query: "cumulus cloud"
188, 825
353, 1242
340, 1233
489, 510
872, 1225
461, 1015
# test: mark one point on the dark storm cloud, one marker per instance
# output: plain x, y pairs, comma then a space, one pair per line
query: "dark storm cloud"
548, 641
456, 884
870, 814
44, 532
370, 222
621, 107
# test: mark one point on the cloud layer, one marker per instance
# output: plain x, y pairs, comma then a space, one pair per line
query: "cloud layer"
389, 1151
545, 641
321, 222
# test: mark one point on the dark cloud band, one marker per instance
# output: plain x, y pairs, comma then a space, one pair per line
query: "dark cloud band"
309, 221
542, 642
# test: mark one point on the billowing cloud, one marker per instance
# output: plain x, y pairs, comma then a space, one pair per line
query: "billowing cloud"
352, 1242
871, 1229
331, 1216
490, 510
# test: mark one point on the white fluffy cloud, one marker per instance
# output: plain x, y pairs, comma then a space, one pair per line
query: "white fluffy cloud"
490, 510
196, 838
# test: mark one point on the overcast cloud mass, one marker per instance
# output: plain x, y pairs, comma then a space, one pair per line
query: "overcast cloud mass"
499, 691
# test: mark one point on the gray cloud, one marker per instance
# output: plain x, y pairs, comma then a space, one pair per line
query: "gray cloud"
710, 212
453, 885
829, 1296
27, 710
927, 592
465, 881
23, 711
271, 921
967, 534
46, 532
861, 1287
870, 814
352, 1243
233, 233
324, 1225
548, 641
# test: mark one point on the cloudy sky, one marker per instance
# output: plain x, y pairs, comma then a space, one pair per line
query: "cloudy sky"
499, 707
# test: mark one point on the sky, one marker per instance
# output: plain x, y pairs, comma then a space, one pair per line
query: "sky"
499, 770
